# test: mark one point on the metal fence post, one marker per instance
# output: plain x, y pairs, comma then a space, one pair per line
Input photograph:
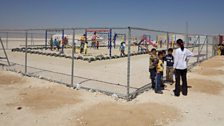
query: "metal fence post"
207, 47
46, 40
26, 53
110, 44
128, 64
32, 39
167, 46
73, 51
199, 41
187, 38
7, 36
215, 45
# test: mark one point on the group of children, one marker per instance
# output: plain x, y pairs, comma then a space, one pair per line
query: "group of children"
84, 43
56, 43
95, 44
156, 68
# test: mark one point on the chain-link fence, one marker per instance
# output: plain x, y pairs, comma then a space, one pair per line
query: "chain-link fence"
110, 60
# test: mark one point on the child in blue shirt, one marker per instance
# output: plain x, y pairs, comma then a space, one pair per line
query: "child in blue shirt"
169, 58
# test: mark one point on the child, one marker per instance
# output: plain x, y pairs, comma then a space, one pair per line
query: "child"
152, 66
51, 44
56, 44
64, 42
169, 65
86, 47
82, 44
122, 49
159, 73
94, 41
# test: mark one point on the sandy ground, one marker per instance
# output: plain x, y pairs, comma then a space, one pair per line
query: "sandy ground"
29, 101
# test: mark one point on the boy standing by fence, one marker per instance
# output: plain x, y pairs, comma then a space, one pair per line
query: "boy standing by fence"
159, 74
152, 66
169, 65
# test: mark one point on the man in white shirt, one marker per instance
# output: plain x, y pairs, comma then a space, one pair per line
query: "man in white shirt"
180, 65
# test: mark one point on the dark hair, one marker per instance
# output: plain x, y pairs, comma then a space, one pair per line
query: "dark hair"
160, 53
153, 49
181, 44
170, 50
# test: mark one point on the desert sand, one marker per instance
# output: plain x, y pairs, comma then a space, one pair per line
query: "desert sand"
29, 101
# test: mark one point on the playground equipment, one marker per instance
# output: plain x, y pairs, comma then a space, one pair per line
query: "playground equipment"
102, 31
6, 57
116, 35
173, 40
47, 32
145, 41
148, 40
161, 39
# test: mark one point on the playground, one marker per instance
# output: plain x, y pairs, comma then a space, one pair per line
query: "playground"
105, 68
46, 86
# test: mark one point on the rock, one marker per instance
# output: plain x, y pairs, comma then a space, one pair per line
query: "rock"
116, 56
113, 57
107, 57
68, 57
98, 58
77, 86
91, 90
19, 108
115, 96
91, 59
86, 59
103, 58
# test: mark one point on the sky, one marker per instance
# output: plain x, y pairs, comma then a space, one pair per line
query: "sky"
203, 16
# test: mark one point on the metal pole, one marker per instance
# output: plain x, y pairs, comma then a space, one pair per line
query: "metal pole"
168, 39
198, 48
4, 51
213, 46
63, 34
187, 40
86, 38
46, 40
7, 36
206, 47
32, 39
73, 44
26, 54
129, 60
110, 41
125, 39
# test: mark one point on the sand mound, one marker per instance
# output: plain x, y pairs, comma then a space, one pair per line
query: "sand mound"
109, 114
48, 98
216, 62
206, 86
209, 71
9, 79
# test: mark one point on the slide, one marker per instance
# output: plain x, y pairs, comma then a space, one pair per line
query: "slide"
150, 42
